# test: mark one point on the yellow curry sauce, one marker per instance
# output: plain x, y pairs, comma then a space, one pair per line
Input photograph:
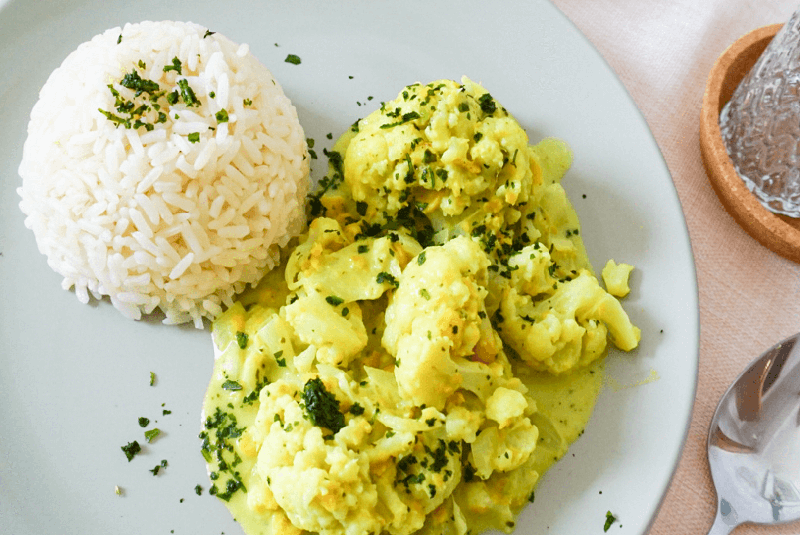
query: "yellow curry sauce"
428, 348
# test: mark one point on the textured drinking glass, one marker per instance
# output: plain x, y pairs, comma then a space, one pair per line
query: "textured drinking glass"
761, 123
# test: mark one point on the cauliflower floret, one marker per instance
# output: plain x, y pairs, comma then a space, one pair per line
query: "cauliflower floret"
328, 262
425, 372
318, 321
503, 449
321, 485
615, 277
504, 406
442, 144
497, 500
350, 482
434, 317
567, 329
558, 227
463, 424
530, 270
324, 235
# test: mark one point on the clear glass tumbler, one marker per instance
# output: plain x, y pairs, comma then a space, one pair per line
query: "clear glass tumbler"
761, 123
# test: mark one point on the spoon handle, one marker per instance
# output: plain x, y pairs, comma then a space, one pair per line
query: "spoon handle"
720, 527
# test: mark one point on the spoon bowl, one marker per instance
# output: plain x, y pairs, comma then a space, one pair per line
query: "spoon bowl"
754, 442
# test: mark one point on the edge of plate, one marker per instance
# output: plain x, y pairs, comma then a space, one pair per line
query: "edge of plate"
696, 304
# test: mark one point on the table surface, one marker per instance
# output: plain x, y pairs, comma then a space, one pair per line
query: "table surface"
663, 52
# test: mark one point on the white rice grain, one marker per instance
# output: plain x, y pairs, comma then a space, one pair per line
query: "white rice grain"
181, 266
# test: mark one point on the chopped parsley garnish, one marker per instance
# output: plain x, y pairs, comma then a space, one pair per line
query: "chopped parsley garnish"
139, 85
194, 137
321, 406
132, 114
247, 102
387, 277
131, 449
439, 456
218, 437
158, 467
333, 300
410, 116
363, 249
222, 116
361, 208
412, 479
241, 339
332, 182
208, 32
356, 409
293, 59
487, 103
119, 39
250, 398
144, 422
187, 93
230, 487
152, 378
406, 462
421, 258
176, 66
225, 425
610, 519
281, 361
424, 294
151, 434
469, 472
231, 385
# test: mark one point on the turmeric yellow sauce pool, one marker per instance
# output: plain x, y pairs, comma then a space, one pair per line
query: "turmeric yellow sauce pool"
428, 348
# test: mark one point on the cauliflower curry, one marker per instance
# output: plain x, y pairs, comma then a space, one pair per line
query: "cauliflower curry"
428, 348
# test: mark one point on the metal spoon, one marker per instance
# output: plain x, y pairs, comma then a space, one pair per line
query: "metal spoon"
754, 442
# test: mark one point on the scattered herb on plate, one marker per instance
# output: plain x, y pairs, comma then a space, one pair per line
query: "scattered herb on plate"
131, 449
610, 519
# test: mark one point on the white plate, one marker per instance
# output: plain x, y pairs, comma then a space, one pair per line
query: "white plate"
74, 379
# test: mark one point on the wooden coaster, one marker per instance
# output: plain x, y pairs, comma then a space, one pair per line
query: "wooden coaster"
777, 232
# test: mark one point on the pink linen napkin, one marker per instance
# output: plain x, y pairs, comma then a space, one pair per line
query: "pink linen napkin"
749, 296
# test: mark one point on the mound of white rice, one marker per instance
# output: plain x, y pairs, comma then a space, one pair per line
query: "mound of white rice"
164, 167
